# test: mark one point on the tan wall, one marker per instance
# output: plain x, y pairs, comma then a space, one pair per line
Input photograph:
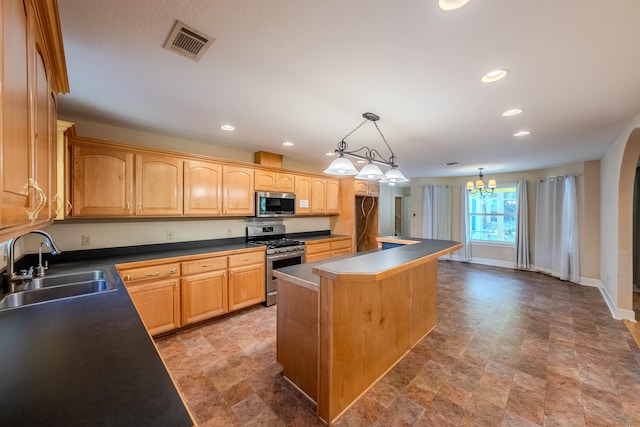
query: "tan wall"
588, 175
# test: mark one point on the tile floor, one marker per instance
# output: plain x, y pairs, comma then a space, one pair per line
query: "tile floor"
511, 348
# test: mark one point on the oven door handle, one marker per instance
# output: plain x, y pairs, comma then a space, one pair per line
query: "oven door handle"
284, 255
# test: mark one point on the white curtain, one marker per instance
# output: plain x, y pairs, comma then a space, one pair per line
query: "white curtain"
556, 248
465, 234
522, 227
436, 210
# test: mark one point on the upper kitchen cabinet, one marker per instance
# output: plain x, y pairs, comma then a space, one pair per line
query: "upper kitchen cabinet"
366, 188
274, 181
303, 194
202, 188
109, 180
101, 180
333, 196
318, 196
33, 72
158, 185
237, 191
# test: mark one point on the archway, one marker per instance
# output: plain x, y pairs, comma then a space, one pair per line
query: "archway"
625, 220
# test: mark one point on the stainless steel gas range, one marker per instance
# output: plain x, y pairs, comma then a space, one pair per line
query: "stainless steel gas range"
281, 252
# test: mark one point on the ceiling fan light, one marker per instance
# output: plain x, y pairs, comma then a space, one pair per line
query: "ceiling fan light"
370, 172
342, 167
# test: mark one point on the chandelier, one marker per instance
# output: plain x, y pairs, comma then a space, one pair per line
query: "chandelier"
371, 172
480, 187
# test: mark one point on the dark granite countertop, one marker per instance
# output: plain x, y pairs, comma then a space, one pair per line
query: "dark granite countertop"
89, 360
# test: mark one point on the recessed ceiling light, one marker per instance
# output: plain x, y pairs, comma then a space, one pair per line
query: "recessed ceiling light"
451, 4
494, 76
330, 153
227, 127
512, 112
522, 133
360, 161
288, 144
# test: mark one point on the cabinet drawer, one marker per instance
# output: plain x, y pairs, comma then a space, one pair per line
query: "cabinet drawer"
341, 244
204, 265
317, 247
246, 259
339, 252
132, 275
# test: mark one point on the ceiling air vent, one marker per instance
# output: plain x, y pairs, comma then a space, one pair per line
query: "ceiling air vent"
188, 41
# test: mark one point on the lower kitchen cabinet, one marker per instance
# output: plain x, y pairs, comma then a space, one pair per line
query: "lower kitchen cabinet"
205, 294
158, 304
246, 280
327, 248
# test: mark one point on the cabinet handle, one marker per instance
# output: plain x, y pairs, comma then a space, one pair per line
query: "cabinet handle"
58, 209
129, 207
33, 214
69, 207
173, 271
139, 208
127, 278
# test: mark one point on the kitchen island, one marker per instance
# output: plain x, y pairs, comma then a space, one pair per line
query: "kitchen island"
343, 323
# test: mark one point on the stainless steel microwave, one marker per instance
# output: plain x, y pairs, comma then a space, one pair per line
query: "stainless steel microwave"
275, 204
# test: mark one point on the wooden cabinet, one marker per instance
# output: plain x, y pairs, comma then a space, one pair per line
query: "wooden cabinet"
318, 196
202, 188
237, 191
366, 188
158, 185
32, 72
104, 183
102, 180
204, 289
274, 181
185, 290
318, 250
246, 279
333, 197
303, 194
155, 292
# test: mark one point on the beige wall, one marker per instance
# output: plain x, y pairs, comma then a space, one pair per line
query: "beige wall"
588, 173
387, 207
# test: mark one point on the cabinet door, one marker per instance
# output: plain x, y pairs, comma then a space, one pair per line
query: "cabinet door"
237, 191
285, 182
361, 187
15, 143
202, 188
333, 196
264, 180
204, 296
43, 145
246, 286
318, 196
158, 304
158, 185
303, 194
102, 181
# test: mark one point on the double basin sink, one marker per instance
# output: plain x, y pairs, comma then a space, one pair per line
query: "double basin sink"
57, 287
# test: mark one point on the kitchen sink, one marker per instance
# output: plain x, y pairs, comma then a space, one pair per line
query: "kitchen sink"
53, 288
64, 279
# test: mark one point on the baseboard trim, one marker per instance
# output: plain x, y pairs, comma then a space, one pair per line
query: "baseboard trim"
617, 313
484, 261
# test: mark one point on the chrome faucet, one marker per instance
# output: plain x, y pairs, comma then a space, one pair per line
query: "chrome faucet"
11, 276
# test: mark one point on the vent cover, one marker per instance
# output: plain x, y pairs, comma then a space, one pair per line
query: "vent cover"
188, 41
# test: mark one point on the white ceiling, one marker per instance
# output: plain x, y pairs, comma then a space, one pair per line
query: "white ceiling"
306, 70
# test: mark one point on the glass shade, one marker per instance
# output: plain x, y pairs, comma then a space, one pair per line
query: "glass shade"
394, 175
479, 184
470, 185
341, 166
492, 184
370, 172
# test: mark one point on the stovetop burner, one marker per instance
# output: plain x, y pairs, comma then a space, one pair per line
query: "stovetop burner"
272, 236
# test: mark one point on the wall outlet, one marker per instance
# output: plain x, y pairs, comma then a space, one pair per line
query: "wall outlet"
86, 240
169, 235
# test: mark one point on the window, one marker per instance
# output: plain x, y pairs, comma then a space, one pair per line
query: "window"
492, 216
